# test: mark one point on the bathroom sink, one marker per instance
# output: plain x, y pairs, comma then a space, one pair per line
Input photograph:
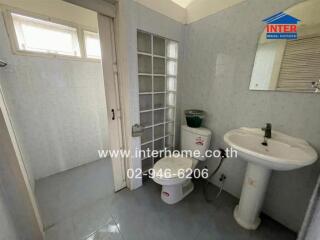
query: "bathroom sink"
282, 152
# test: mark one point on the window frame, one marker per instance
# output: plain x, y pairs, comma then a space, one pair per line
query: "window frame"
84, 43
8, 20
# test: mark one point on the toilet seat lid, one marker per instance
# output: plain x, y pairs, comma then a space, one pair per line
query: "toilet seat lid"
173, 166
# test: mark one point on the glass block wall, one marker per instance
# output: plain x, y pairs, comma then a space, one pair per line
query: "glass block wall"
157, 72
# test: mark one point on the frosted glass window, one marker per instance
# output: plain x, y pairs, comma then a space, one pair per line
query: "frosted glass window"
145, 102
159, 46
171, 84
145, 84
144, 64
92, 45
158, 116
169, 128
146, 147
158, 84
159, 65
158, 146
147, 164
146, 118
147, 135
172, 49
170, 114
171, 99
41, 36
158, 131
158, 100
144, 42
169, 142
172, 68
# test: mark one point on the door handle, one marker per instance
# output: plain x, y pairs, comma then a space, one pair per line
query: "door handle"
113, 116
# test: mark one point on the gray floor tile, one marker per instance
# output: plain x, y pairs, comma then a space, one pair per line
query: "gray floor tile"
80, 204
109, 231
222, 225
61, 195
269, 229
62, 230
90, 218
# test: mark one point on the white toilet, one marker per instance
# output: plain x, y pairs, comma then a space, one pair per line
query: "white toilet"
174, 189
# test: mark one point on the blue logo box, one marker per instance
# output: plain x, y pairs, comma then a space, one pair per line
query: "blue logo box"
282, 36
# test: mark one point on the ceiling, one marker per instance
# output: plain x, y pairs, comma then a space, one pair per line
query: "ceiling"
188, 11
183, 3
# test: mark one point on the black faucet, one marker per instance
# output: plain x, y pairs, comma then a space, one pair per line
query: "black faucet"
267, 130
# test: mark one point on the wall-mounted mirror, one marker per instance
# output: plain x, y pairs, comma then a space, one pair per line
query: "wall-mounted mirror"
290, 65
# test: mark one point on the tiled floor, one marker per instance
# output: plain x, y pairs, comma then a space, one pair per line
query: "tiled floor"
80, 205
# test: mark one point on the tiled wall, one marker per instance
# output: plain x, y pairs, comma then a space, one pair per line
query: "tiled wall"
7, 227
58, 109
220, 51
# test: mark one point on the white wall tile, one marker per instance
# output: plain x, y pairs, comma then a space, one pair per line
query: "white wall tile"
58, 109
220, 51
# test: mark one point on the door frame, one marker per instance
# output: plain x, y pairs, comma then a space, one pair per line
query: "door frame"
121, 94
129, 144
16, 164
110, 73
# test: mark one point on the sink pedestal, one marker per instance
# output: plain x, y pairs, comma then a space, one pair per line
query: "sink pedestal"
253, 192
282, 153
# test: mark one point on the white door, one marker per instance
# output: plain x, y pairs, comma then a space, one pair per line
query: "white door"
109, 66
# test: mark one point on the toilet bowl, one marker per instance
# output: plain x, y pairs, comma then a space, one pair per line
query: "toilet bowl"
174, 186
174, 173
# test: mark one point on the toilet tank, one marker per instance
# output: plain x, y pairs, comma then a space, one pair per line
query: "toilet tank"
195, 139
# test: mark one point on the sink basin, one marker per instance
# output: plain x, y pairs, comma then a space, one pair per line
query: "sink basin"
281, 152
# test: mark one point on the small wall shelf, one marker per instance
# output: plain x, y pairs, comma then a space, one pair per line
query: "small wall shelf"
157, 74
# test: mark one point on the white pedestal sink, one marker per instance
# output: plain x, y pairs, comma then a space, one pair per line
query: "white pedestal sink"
282, 153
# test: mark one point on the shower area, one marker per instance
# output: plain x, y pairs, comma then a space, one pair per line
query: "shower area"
54, 93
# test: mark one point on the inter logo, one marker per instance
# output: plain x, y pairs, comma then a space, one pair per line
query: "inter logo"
281, 26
